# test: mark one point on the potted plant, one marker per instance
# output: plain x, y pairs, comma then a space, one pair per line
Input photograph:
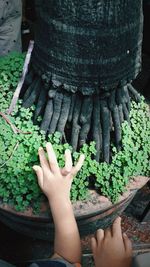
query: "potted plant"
99, 191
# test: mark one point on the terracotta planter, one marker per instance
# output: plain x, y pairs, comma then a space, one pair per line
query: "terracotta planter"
42, 226
90, 215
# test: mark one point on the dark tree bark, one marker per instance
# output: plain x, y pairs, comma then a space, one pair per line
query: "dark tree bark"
85, 57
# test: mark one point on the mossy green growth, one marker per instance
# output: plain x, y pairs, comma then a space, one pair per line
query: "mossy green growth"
18, 182
18, 153
134, 157
10, 71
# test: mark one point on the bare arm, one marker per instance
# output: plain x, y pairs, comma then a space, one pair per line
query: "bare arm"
56, 185
67, 240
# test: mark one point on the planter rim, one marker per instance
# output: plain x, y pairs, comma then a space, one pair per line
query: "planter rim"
82, 210
46, 216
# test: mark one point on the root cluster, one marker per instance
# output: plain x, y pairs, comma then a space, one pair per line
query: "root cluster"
79, 118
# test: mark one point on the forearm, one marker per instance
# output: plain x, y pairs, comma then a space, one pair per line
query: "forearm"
67, 240
56, 185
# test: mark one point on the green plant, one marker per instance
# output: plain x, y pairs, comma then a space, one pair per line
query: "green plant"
10, 71
18, 150
134, 157
18, 181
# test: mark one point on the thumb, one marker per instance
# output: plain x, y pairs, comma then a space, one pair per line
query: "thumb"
39, 174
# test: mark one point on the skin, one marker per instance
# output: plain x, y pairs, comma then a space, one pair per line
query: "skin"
112, 248
56, 184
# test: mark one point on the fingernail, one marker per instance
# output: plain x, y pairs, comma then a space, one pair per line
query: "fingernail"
48, 144
124, 234
82, 156
34, 168
100, 230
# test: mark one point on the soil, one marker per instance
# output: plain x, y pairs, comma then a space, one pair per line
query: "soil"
98, 202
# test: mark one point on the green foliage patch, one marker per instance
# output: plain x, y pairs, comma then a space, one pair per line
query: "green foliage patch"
133, 159
18, 152
10, 71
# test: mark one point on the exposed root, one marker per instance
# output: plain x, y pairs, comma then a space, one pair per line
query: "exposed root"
31, 99
85, 119
47, 116
41, 103
57, 103
73, 100
88, 118
75, 123
134, 94
120, 110
125, 112
96, 129
64, 114
117, 127
105, 122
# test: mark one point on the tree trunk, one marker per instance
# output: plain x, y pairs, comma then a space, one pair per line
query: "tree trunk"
85, 56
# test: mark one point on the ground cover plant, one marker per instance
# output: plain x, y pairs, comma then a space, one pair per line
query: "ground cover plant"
20, 140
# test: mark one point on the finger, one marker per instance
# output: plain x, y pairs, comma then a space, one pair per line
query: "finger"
127, 244
78, 166
43, 161
93, 244
52, 159
107, 233
39, 174
68, 160
68, 163
116, 228
100, 235
64, 172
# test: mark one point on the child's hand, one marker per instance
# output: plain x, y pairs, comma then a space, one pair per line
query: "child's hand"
111, 248
53, 181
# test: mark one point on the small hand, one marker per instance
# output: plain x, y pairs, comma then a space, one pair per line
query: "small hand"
53, 181
111, 248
